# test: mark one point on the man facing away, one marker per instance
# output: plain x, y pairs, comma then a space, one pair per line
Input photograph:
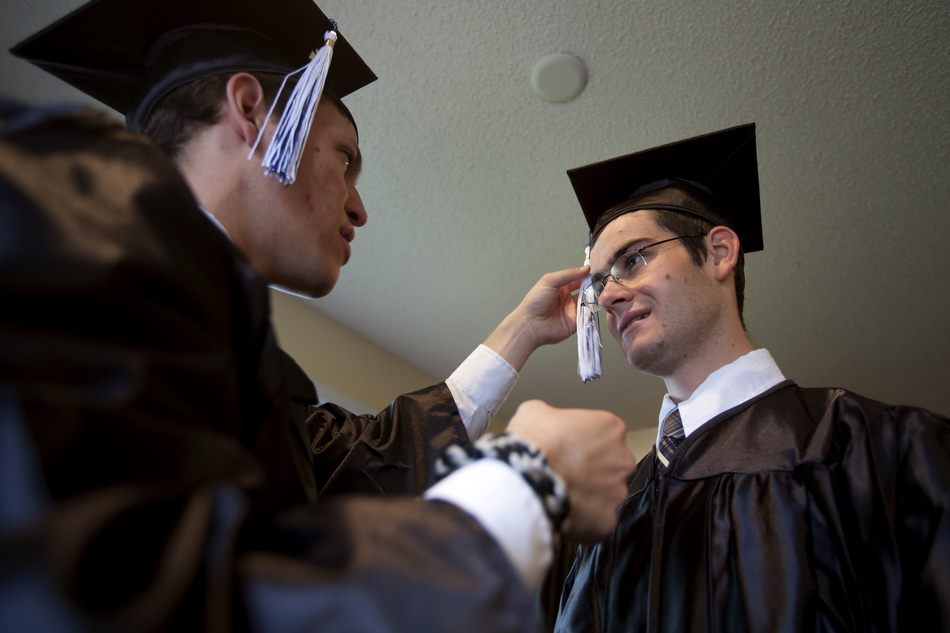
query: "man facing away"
764, 506
168, 469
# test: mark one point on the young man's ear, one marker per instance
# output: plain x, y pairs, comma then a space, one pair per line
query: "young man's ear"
246, 107
723, 251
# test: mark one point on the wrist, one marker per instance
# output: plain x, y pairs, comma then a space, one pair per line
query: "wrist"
526, 459
514, 340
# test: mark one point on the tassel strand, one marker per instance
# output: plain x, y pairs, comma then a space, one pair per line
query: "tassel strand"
588, 333
286, 146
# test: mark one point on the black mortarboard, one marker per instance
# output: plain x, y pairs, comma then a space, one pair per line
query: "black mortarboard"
714, 176
128, 54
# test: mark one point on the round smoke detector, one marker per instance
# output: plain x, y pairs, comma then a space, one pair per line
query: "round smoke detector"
559, 77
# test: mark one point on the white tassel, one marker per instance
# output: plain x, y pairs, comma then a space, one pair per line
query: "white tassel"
588, 334
286, 146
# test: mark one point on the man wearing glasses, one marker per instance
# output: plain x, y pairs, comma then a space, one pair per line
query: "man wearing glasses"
764, 506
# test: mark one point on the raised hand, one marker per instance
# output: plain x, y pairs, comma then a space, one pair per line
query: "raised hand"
545, 316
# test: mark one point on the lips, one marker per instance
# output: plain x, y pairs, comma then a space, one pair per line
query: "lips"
348, 233
631, 319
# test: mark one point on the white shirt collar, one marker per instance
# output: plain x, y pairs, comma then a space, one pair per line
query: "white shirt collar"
725, 388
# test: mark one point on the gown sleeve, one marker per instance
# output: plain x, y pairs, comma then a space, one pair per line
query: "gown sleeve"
388, 453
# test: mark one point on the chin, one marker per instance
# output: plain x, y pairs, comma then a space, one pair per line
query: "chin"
307, 291
647, 358
318, 283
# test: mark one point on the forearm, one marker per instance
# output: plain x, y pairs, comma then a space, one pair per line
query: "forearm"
513, 340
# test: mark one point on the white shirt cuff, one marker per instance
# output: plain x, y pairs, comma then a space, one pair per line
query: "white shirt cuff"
506, 506
480, 386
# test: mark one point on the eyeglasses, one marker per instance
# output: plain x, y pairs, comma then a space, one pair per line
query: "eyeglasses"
623, 271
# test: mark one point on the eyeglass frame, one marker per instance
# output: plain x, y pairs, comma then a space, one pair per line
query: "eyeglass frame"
595, 305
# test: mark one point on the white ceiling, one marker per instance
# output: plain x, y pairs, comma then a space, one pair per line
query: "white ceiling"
469, 204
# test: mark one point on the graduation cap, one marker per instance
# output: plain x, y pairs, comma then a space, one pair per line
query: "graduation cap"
713, 176
128, 54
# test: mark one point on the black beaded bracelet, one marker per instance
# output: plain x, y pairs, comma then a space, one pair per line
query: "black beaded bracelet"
527, 460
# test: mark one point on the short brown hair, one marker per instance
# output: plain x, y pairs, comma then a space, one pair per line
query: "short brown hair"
185, 110
687, 224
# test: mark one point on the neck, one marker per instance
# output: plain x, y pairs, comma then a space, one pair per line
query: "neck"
215, 182
682, 382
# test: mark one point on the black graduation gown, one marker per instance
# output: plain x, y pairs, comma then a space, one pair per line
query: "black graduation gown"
800, 510
167, 467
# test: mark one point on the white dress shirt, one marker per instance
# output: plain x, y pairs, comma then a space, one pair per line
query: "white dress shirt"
725, 388
480, 386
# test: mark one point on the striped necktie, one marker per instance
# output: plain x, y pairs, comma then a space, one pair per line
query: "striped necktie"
672, 436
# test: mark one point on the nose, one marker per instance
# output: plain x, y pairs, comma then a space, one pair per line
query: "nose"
614, 295
354, 208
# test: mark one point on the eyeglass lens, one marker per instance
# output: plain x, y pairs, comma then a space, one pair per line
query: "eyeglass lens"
623, 270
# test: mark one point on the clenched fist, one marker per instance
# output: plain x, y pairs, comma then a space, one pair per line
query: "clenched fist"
587, 449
